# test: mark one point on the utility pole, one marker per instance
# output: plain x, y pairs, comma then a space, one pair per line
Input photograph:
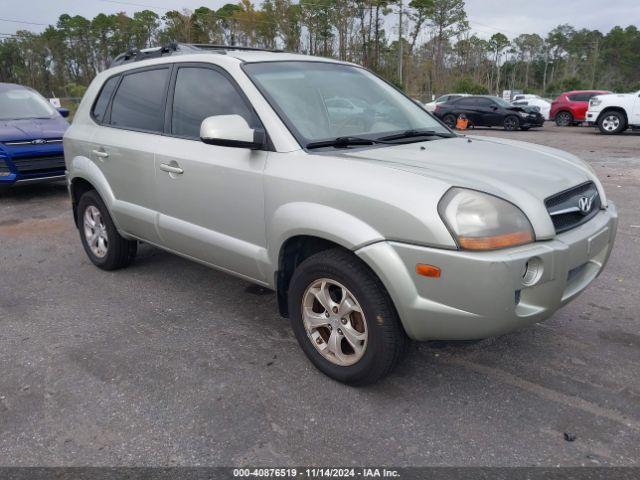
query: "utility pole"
400, 46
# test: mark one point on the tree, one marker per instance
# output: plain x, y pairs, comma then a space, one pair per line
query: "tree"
498, 43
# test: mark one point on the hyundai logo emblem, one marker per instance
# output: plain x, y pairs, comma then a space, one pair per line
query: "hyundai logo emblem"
584, 204
38, 141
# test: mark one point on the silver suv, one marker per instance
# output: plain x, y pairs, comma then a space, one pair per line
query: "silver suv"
373, 222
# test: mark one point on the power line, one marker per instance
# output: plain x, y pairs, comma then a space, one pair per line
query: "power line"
10, 20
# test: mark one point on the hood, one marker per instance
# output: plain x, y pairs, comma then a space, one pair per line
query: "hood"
523, 173
527, 108
32, 128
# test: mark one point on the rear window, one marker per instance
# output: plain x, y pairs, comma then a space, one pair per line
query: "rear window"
580, 97
100, 107
139, 101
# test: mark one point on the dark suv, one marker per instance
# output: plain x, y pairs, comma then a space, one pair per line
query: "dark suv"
486, 111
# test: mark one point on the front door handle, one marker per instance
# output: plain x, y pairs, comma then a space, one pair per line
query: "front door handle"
171, 168
100, 153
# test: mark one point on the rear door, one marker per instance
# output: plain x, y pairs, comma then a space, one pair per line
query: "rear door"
580, 105
125, 143
470, 108
213, 210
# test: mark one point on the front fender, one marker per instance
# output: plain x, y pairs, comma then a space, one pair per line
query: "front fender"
304, 218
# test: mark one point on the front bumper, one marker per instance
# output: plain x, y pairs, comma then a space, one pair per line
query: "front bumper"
481, 294
532, 121
591, 117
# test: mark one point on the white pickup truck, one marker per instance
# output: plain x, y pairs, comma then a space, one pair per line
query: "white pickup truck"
615, 113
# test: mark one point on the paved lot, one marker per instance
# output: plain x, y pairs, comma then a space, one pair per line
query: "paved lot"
169, 363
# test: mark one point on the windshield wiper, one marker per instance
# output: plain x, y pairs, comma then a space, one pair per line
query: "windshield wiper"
343, 142
415, 134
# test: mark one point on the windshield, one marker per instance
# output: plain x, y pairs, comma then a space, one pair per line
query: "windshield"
502, 102
22, 103
322, 101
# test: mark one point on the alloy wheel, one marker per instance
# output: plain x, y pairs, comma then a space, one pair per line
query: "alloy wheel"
95, 232
334, 322
611, 123
563, 119
510, 123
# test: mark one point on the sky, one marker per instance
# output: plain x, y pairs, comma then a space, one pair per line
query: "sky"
512, 17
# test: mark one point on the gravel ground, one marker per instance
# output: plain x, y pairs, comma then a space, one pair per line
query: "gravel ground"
170, 363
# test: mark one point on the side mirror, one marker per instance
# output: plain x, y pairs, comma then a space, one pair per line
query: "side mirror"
63, 111
493, 107
231, 131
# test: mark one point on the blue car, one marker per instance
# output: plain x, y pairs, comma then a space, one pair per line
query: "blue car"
30, 136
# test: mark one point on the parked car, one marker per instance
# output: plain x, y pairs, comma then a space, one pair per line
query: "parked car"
431, 106
570, 108
486, 111
401, 229
525, 99
615, 113
30, 136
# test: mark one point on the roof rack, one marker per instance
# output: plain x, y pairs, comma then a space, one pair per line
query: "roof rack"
174, 48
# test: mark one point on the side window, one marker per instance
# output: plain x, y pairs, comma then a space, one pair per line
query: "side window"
580, 97
139, 101
201, 93
100, 107
467, 102
484, 102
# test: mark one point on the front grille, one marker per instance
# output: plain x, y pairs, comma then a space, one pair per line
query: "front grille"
39, 164
43, 141
565, 207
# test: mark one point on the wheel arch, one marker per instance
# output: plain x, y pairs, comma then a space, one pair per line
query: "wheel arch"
614, 109
299, 230
84, 175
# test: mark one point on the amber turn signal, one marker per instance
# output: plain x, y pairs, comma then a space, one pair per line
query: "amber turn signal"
430, 271
498, 241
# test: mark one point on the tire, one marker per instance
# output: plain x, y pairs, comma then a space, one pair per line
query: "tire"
450, 121
511, 123
110, 251
612, 123
340, 274
564, 119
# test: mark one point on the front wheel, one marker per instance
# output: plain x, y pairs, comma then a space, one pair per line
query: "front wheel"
104, 246
611, 123
344, 319
511, 123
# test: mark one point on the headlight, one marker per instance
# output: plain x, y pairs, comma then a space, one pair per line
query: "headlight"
479, 221
524, 114
594, 102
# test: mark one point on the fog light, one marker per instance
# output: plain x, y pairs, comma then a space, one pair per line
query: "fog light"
532, 271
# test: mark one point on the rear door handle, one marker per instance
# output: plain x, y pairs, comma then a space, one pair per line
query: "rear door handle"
100, 153
171, 168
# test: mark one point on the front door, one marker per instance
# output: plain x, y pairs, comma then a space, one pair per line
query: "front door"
211, 199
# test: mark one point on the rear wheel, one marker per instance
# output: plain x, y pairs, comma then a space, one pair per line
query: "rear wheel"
564, 119
612, 122
450, 121
344, 319
104, 246
511, 123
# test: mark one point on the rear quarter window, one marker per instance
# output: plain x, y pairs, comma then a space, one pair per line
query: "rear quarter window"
99, 109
